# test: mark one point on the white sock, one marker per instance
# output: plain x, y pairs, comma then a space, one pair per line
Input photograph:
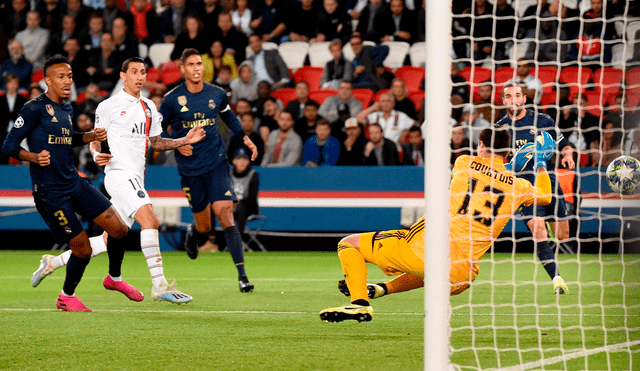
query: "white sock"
150, 245
97, 247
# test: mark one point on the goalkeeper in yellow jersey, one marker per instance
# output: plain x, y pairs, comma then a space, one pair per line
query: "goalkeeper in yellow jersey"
484, 195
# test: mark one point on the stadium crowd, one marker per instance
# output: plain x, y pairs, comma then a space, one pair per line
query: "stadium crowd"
579, 61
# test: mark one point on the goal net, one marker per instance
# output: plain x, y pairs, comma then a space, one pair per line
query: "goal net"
580, 64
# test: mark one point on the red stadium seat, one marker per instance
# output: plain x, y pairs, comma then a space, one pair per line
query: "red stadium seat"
476, 74
417, 97
365, 96
577, 78
548, 77
607, 79
321, 94
504, 74
153, 74
37, 75
634, 98
285, 95
171, 76
595, 102
376, 97
312, 75
412, 76
81, 97
633, 78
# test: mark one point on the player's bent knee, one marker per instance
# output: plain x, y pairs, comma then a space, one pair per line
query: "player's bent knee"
351, 240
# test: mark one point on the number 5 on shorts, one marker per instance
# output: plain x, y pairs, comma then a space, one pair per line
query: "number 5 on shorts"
187, 192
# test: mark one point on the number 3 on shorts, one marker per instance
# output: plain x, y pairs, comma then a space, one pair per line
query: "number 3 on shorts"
187, 192
60, 214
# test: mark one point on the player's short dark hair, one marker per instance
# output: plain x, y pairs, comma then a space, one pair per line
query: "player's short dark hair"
56, 59
125, 64
497, 139
187, 53
513, 85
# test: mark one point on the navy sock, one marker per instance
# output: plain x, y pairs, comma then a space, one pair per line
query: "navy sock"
115, 250
75, 270
234, 244
547, 258
201, 238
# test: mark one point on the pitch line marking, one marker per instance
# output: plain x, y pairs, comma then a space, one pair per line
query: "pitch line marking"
194, 311
569, 356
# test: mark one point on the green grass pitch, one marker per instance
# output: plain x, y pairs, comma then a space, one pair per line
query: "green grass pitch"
277, 327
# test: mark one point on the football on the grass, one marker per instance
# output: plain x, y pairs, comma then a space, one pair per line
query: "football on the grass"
623, 175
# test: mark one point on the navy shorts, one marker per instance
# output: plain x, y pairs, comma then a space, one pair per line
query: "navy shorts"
555, 211
202, 190
59, 208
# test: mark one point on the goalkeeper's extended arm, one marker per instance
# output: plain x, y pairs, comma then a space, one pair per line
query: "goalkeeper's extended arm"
542, 187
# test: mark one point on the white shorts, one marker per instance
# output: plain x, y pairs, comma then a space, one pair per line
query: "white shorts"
127, 193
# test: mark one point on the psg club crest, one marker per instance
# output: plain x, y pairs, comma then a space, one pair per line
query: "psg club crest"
19, 122
147, 112
141, 194
212, 104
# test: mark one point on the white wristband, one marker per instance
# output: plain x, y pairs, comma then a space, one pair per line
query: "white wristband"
95, 154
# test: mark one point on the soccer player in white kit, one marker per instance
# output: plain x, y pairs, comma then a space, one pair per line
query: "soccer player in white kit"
130, 120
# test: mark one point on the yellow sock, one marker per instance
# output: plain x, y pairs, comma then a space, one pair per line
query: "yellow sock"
355, 271
404, 282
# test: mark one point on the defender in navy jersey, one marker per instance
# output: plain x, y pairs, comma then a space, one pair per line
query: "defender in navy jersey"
203, 166
525, 127
58, 190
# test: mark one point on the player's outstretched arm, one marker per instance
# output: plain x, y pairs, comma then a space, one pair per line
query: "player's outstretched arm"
98, 134
164, 144
542, 187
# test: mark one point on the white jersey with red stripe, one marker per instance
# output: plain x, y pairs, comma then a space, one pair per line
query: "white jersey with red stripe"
129, 122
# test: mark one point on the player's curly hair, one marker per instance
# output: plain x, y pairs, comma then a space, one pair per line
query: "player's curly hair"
497, 139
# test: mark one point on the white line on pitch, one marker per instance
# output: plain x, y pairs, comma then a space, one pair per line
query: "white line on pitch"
573, 355
194, 311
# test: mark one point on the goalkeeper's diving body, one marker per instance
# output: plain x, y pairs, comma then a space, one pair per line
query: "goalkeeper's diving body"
483, 197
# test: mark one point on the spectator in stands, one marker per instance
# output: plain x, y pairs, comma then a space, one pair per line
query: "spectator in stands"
330, 106
398, 23
301, 22
34, 91
364, 67
505, 17
268, 64
481, 29
241, 17
296, 106
10, 105
568, 18
78, 60
590, 47
352, 147
124, 41
332, 23
549, 50
321, 149
394, 124
485, 106
608, 146
284, 146
264, 94
173, 19
460, 145
528, 20
110, 12
146, 22
51, 12
105, 64
413, 152
14, 19
584, 129
248, 123
214, 59
566, 119
337, 69
90, 37
58, 38
16, 65
532, 86
223, 79
233, 41
459, 90
78, 11
606, 17
34, 41
191, 37
632, 143
305, 126
268, 19
269, 121
243, 106
246, 183
380, 150
473, 122
622, 115
91, 100
401, 98
209, 11
634, 61
367, 26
